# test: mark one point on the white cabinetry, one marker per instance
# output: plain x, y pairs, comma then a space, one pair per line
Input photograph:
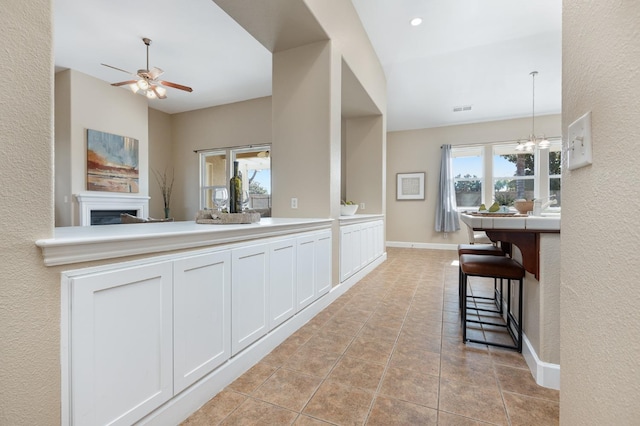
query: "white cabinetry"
313, 267
360, 244
121, 352
249, 295
142, 332
323, 262
282, 281
305, 276
202, 316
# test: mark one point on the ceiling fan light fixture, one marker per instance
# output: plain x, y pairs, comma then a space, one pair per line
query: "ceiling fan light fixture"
161, 90
147, 83
143, 84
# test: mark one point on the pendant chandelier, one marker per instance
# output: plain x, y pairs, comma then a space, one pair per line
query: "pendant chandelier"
530, 144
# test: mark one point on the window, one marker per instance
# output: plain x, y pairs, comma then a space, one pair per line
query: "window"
513, 174
467, 173
555, 171
254, 167
214, 174
497, 172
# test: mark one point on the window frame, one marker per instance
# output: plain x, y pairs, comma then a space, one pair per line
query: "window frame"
471, 151
541, 177
230, 156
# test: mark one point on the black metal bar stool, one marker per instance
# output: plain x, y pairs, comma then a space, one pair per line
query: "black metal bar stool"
486, 250
493, 267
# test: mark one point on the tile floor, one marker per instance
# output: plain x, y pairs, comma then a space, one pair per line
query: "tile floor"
388, 352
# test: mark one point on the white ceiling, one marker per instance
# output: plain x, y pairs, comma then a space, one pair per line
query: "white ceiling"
466, 52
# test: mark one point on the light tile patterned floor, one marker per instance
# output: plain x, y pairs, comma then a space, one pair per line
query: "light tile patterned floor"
388, 352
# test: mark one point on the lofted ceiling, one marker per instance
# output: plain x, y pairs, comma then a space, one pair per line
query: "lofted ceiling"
476, 53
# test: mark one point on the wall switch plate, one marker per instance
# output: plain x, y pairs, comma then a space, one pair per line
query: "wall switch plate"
294, 203
361, 206
579, 142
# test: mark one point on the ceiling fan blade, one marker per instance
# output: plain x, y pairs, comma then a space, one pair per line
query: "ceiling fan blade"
157, 92
175, 86
119, 69
155, 72
123, 83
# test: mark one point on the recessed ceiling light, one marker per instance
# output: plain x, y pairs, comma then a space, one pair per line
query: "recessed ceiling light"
416, 21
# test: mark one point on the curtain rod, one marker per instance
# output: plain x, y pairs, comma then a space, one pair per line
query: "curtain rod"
223, 148
468, 145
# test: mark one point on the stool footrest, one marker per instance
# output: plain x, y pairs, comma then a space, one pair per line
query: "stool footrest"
492, 267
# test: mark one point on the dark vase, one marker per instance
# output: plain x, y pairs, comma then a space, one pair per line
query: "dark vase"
167, 213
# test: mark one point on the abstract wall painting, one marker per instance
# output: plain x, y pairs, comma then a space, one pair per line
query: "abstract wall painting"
112, 162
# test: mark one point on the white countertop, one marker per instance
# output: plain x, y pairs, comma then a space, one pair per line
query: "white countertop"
356, 218
537, 223
75, 244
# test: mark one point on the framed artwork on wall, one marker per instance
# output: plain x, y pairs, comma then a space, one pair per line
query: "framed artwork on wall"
410, 186
112, 162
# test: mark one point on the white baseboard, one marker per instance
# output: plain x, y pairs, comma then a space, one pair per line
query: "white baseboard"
433, 246
544, 373
191, 399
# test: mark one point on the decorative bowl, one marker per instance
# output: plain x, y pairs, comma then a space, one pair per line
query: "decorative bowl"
348, 209
523, 206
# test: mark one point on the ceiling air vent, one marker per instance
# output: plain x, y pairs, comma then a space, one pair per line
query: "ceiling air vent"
462, 108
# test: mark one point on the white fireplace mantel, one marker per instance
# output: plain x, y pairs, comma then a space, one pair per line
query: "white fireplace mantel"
89, 201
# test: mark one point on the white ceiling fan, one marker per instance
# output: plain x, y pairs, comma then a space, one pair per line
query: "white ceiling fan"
147, 82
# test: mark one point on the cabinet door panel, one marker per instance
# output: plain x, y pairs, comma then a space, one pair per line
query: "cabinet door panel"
282, 282
379, 238
202, 316
305, 271
323, 263
346, 255
356, 249
249, 292
121, 344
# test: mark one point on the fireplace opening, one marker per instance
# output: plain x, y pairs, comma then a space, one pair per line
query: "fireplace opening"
109, 217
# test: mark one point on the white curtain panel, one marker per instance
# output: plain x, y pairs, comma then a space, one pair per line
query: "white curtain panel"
446, 213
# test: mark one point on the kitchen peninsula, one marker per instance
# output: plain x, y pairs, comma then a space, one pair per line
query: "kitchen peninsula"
535, 242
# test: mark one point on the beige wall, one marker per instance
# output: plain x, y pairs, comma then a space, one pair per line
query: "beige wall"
600, 262
64, 210
419, 151
30, 293
84, 102
160, 158
238, 124
302, 126
364, 174
340, 20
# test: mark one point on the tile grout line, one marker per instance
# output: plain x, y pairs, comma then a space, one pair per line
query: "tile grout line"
342, 355
388, 363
